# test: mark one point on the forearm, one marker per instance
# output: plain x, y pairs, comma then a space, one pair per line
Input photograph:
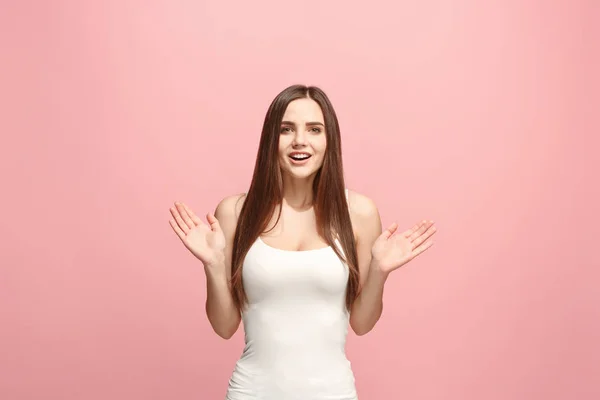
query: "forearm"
220, 307
368, 306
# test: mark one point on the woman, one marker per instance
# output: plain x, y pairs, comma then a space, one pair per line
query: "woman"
298, 258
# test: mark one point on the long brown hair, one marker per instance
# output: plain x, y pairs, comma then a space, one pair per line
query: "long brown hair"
266, 192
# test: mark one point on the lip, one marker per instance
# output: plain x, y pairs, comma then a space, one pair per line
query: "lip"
299, 162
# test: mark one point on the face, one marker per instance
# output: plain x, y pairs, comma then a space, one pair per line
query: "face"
302, 140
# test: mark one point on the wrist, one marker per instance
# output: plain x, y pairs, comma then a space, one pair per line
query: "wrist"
377, 272
215, 268
216, 277
216, 262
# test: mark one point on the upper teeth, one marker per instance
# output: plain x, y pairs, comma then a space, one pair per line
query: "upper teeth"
300, 156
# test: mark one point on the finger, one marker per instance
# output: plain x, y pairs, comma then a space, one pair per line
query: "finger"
389, 231
422, 228
180, 222
427, 244
213, 221
195, 219
425, 236
177, 229
410, 231
184, 215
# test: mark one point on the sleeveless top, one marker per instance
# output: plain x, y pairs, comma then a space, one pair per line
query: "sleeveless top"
295, 324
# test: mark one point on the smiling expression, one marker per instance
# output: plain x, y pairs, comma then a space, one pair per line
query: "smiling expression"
302, 139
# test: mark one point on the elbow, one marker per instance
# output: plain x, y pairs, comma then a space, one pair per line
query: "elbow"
360, 329
225, 334
363, 325
224, 330
223, 324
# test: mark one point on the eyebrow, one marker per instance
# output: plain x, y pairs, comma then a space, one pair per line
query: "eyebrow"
308, 123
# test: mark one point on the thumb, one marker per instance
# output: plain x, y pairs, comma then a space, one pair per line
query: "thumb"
213, 221
386, 234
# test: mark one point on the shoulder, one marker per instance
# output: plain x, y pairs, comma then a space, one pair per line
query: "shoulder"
364, 215
229, 208
361, 207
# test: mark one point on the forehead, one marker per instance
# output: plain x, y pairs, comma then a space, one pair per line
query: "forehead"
303, 110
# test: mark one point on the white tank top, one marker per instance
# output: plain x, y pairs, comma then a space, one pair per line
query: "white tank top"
295, 324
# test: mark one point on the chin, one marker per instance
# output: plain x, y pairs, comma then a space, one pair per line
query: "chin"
300, 173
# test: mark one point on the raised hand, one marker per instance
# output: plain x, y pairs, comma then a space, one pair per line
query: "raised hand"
391, 251
205, 241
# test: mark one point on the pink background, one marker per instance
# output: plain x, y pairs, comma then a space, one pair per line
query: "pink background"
482, 117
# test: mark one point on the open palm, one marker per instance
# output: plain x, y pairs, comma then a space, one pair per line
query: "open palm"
391, 251
205, 241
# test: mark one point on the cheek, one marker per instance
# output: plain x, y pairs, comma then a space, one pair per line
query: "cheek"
282, 148
321, 145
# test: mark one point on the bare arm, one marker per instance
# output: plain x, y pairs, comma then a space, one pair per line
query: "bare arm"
380, 253
368, 306
220, 308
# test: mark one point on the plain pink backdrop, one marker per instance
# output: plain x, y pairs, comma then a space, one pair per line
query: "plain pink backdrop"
482, 116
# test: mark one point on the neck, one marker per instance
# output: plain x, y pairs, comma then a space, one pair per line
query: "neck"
298, 193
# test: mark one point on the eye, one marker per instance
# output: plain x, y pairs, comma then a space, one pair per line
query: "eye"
316, 130
285, 129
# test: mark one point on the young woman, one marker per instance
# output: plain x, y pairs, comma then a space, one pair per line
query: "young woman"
298, 258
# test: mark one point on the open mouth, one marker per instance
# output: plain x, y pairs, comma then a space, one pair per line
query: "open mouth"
299, 157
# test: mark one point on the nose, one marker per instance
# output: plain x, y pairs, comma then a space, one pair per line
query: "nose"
299, 139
